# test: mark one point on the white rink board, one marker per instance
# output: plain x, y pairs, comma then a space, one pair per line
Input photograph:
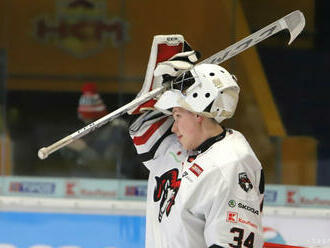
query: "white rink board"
298, 226
285, 225
56, 205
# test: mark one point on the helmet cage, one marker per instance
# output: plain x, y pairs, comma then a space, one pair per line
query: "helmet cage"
183, 82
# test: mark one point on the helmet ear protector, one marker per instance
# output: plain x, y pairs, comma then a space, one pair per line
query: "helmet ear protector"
206, 89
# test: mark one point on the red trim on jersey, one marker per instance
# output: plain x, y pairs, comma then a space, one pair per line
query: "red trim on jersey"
140, 140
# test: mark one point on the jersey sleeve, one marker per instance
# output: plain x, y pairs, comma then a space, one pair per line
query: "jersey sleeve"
148, 131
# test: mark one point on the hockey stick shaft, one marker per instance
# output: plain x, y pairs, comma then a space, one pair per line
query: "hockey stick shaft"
294, 22
45, 151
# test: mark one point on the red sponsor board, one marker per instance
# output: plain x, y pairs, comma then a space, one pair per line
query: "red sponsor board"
295, 197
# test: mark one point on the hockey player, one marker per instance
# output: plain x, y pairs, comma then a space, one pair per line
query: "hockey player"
205, 186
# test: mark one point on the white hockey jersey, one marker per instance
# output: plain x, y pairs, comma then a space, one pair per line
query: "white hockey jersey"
210, 198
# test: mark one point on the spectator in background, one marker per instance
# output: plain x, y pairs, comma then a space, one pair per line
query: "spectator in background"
91, 106
108, 151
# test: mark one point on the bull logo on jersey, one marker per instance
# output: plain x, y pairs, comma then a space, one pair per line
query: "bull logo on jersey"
166, 189
244, 182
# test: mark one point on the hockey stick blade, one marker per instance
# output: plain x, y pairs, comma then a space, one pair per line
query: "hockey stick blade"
294, 22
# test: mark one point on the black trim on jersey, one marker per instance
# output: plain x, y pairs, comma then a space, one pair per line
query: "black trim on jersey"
216, 246
209, 142
144, 157
262, 182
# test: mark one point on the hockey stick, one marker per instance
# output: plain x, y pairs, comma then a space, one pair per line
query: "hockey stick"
45, 151
294, 22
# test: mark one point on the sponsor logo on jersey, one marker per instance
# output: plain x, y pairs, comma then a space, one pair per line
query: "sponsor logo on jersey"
196, 169
232, 217
244, 182
167, 187
186, 176
247, 222
248, 208
232, 203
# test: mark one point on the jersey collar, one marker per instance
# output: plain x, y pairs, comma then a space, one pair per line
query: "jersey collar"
209, 142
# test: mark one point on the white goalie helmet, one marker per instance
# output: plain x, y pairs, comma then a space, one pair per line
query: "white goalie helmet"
206, 89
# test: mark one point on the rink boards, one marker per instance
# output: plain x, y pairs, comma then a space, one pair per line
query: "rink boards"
85, 213
27, 222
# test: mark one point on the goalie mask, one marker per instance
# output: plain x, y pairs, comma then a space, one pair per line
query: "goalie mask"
206, 89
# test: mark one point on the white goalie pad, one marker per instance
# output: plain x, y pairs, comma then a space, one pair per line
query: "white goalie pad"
163, 48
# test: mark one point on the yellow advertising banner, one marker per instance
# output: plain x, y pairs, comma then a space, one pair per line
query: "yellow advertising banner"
58, 44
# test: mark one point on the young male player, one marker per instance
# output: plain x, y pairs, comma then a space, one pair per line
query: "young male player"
205, 186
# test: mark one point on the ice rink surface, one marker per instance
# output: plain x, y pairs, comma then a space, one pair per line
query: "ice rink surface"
30, 229
56, 223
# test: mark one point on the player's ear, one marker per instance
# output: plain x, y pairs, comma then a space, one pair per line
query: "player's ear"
199, 118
